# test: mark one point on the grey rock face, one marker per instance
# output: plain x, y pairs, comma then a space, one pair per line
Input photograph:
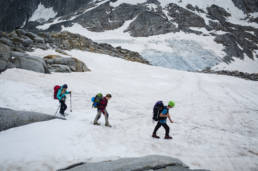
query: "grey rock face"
247, 5
5, 55
218, 13
98, 19
9, 20
184, 17
125, 12
59, 64
11, 118
33, 63
231, 47
148, 24
153, 162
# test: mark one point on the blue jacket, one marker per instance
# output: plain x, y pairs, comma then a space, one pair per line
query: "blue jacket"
59, 95
164, 112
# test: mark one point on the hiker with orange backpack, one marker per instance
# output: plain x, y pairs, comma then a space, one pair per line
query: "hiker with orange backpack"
61, 96
160, 114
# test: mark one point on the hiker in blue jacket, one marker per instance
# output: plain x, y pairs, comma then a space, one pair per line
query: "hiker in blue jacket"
163, 121
61, 96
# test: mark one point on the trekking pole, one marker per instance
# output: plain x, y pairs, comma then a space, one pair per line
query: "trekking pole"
57, 109
71, 102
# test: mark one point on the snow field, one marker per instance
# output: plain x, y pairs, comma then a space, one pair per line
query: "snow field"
43, 14
215, 116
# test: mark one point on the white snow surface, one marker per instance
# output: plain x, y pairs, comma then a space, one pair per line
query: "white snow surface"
216, 121
43, 14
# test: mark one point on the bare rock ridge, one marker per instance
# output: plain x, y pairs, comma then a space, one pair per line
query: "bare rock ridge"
14, 45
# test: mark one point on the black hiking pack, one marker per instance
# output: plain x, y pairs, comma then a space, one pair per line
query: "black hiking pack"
157, 109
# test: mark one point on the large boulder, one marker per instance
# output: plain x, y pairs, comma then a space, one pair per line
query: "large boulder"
153, 162
5, 55
60, 64
32, 63
12, 118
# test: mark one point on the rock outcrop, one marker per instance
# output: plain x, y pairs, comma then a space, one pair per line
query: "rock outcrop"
32, 63
60, 64
153, 162
12, 118
14, 45
5, 57
149, 24
247, 76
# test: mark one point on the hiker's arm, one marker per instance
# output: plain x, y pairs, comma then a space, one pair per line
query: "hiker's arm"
162, 115
170, 118
58, 95
68, 92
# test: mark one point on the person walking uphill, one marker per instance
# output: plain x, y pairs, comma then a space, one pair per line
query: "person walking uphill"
101, 108
61, 96
163, 119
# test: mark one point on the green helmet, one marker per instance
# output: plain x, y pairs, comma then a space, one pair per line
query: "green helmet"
171, 104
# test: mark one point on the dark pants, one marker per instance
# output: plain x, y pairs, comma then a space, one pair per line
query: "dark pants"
159, 125
63, 107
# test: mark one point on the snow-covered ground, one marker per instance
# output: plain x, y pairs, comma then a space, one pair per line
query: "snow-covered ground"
216, 121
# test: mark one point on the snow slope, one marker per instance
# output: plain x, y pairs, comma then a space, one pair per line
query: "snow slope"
216, 121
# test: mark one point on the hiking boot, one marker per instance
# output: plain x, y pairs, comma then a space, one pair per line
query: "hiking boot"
168, 137
96, 123
62, 114
155, 136
108, 125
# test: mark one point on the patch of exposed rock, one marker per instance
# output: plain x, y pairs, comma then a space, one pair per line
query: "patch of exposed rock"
152, 162
12, 118
14, 45
247, 76
57, 63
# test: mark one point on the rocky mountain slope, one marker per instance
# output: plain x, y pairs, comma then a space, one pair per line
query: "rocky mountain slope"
233, 24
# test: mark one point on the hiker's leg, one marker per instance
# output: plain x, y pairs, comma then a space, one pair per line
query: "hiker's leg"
106, 117
63, 107
97, 116
156, 128
166, 128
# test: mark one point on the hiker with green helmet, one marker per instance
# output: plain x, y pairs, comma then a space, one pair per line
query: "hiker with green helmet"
163, 119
